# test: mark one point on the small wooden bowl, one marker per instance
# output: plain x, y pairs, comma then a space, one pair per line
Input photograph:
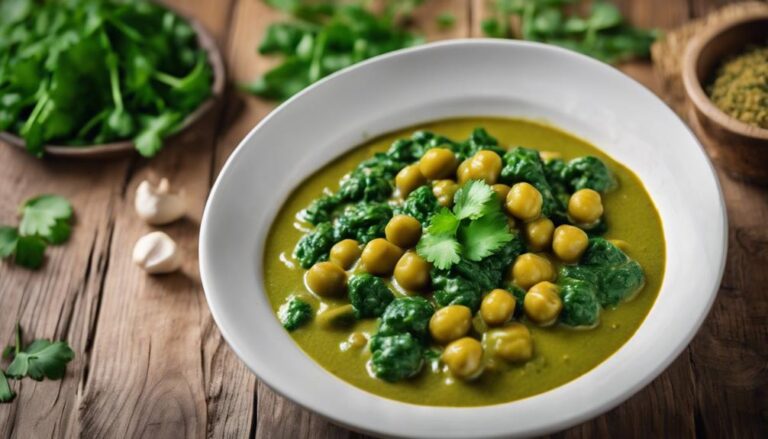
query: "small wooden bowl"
741, 148
125, 147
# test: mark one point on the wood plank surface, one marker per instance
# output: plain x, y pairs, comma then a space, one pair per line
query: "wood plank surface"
150, 361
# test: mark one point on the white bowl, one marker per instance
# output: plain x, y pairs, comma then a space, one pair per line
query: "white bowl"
442, 80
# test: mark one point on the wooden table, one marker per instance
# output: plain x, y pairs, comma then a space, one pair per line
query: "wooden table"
150, 361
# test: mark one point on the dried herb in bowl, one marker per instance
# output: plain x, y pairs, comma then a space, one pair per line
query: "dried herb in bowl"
740, 87
85, 72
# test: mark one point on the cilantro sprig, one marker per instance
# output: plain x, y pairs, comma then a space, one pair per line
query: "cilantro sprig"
98, 71
322, 37
474, 229
601, 34
45, 219
41, 359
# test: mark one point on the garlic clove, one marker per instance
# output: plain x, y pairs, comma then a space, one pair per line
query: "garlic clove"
157, 253
157, 204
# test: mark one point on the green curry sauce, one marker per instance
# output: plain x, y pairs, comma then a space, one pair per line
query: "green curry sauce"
561, 354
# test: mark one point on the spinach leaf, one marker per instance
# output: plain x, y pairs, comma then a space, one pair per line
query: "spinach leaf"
614, 275
396, 356
315, 245
295, 313
580, 304
362, 222
407, 315
421, 204
588, 172
369, 295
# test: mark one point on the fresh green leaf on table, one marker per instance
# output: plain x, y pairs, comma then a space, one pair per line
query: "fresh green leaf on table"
41, 359
30, 252
602, 34
6, 394
446, 20
46, 216
45, 219
324, 37
8, 239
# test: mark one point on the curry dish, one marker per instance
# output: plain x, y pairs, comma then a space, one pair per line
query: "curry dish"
465, 262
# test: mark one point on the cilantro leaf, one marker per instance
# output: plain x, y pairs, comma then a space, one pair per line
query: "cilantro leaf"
472, 200
443, 222
6, 394
41, 359
8, 239
46, 216
30, 251
441, 250
485, 235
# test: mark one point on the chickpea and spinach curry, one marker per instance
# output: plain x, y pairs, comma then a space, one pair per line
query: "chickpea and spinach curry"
437, 266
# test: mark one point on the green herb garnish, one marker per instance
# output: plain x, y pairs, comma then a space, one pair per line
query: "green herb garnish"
446, 20
603, 34
84, 72
41, 359
45, 219
475, 229
6, 394
324, 37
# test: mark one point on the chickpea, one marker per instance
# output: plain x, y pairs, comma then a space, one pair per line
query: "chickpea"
344, 253
336, 317
462, 173
524, 201
357, 340
450, 323
327, 279
569, 243
438, 163
512, 343
464, 358
408, 179
444, 191
412, 272
585, 206
402, 230
484, 165
538, 234
530, 269
542, 303
380, 256
502, 190
497, 307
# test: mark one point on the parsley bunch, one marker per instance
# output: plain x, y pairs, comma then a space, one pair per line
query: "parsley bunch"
474, 229
83, 72
45, 219
323, 37
603, 34
41, 359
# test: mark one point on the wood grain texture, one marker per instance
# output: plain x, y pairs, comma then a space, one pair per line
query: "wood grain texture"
62, 299
150, 361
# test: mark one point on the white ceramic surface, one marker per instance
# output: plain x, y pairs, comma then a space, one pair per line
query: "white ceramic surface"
463, 78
